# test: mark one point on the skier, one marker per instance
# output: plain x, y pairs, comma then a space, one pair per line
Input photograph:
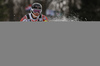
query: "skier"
35, 15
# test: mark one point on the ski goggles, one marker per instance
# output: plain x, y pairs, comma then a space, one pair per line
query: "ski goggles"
36, 11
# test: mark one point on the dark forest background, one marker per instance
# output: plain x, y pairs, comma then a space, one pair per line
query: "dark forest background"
85, 10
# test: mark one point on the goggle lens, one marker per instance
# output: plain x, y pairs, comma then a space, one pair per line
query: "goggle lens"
36, 11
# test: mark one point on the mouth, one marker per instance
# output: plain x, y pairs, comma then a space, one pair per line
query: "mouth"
36, 14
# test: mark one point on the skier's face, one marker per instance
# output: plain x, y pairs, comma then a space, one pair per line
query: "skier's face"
36, 14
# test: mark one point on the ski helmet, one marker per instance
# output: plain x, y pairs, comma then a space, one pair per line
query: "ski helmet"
36, 7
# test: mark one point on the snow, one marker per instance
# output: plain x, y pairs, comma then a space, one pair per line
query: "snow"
64, 19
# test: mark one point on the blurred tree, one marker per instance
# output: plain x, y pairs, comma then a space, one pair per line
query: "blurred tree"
90, 10
3, 10
74, 7
28, 1
11, 10
21, 9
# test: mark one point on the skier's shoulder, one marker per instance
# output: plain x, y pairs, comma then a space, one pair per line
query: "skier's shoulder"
28, 15
44, 17
24, 18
